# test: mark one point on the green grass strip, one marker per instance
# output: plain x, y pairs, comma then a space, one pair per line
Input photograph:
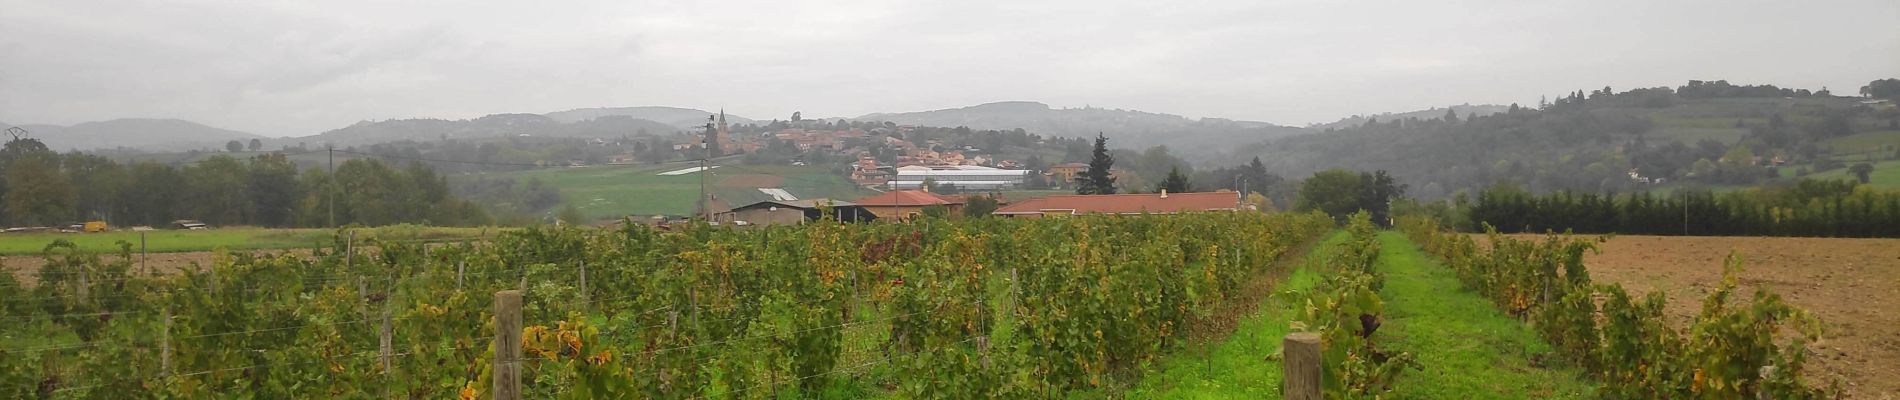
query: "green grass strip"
1466, 347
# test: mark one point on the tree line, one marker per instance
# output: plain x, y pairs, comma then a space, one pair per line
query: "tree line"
1837, 208
39, 187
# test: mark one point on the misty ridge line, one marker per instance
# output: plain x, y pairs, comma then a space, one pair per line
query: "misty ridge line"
171, 134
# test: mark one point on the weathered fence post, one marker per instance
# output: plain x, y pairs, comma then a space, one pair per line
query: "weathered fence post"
507, 345
1301, 356
584, 284
148, 269
458, 273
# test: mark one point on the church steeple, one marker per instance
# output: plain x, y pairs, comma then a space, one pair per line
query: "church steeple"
722, 123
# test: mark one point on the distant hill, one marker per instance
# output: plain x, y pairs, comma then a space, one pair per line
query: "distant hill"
683, 118
1434, 113
1125, 128
1593, 143
138, 133
497, 125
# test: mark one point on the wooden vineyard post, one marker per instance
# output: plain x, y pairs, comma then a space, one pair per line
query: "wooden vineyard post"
84, 288
387, 335
458, 273
1301, 357
584, 284
349, 251
165, 343
507, 345
148, 269
1767, 373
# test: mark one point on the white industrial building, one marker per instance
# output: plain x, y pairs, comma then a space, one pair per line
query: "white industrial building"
964, 177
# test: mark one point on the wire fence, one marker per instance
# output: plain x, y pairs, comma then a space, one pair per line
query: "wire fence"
864, 348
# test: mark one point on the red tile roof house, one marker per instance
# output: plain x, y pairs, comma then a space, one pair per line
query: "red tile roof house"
1153, 203
906, 204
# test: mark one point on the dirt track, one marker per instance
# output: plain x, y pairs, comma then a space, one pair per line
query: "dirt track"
1852, 285
25, 267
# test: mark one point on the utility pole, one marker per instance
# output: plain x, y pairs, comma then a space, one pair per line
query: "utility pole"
1240, 200
705, 205
332, 147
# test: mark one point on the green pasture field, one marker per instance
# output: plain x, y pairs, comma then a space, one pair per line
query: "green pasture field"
1886, 174
1865, 142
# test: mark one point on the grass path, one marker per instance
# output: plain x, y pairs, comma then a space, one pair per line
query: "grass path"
1467, 348
1236, 368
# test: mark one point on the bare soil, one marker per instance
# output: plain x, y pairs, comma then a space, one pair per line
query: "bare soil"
1851, 285
25, 268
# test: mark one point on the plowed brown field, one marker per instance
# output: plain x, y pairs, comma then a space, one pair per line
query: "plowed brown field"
1852, 285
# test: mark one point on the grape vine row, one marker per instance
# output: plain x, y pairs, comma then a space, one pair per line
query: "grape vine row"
933, 309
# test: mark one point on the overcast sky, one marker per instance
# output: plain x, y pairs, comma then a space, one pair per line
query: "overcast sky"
294, 68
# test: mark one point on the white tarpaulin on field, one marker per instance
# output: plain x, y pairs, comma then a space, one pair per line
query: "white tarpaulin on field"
778, 194
683, 171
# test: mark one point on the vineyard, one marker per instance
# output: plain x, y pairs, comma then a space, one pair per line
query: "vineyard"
1731, 348
979, 308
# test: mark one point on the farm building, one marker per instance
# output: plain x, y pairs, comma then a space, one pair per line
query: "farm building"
906, 204
1154, 203
962, 176
793, 212
1066, 172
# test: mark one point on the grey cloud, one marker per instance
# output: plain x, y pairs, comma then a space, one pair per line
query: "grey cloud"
297, 68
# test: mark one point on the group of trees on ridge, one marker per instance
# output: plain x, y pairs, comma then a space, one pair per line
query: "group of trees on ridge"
1591, 141
39, 187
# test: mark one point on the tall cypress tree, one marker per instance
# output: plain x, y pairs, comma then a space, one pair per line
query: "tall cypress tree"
1097, 180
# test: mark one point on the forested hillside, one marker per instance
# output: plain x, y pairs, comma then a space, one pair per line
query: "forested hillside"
1465, 110
1702, 133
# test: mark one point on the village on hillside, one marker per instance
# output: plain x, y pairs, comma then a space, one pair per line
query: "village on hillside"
912, 178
